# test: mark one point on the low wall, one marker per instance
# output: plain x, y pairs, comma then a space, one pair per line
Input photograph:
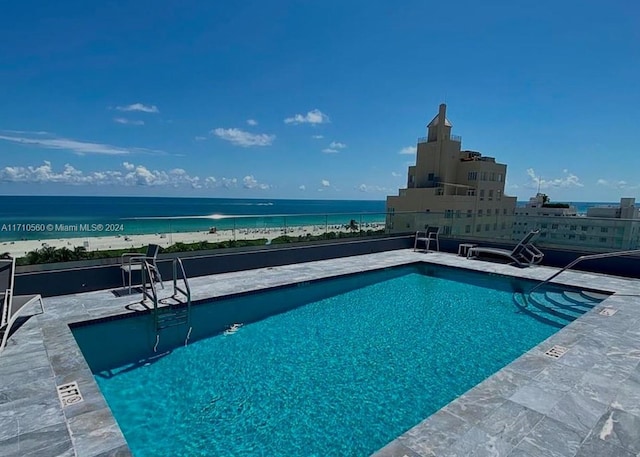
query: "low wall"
70, 278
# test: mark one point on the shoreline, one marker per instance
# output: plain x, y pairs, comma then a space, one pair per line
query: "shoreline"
105, 243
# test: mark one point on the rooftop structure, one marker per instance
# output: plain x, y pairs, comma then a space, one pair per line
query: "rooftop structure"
463, 185
540, 206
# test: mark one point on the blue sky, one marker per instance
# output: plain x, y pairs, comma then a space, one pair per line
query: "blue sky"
287, 99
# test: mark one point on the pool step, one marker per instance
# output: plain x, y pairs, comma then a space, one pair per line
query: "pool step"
524, 306
561, 300
555, 307
594, 296
540, 301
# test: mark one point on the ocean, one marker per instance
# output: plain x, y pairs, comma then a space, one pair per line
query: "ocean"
41, 218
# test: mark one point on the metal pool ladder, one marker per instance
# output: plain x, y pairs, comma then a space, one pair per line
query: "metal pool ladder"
177, 309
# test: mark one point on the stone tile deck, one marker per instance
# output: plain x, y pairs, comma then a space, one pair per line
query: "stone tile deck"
586, 403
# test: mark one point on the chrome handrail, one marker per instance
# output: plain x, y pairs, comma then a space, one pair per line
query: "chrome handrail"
146, 273
585, 257
187, 290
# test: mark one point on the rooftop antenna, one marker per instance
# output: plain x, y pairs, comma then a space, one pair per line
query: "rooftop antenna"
539, 179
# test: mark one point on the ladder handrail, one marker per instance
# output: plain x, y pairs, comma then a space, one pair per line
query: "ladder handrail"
187, 290
145, 294
586, 257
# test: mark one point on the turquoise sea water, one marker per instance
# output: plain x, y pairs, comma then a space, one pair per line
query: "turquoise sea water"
340, 376
50, 217
40, 217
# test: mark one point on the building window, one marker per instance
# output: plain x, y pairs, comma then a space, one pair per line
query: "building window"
584, 228
471, 192
495, 226
458, 214
487, 227
492, 176
604, 229
504, 225
472, 176
498, 194
479, 213
467, 229
499, 177
469, 213
430, 177
490, 194
504, 211
583, 237
603, 239
478, 227
573, 227
448, 214
483, 176
481, 194
489, 212
554, 226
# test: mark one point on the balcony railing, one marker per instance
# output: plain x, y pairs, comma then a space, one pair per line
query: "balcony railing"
424, 139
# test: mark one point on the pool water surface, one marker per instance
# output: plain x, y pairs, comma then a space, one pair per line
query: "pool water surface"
342, 375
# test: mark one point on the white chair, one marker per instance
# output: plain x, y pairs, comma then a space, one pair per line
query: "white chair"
12, 305
426, 237
133, 261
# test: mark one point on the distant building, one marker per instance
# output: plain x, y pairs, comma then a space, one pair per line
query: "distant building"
625, 210
604, 228
461, 191
540, 206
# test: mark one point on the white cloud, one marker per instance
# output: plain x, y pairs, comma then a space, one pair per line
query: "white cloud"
252, 122
302, 187
313, 117
200, 138
249, 182
130, 175
334, 147
228, 182
242, 138
125, 121
139, 107
325, 183
75, 146
569, 180
407, 150
367, 188
620, 184
395, 174
317, 137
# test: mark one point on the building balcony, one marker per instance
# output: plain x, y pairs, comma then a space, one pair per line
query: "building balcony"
424, 139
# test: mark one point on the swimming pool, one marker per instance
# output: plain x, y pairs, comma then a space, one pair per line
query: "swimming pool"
365, 358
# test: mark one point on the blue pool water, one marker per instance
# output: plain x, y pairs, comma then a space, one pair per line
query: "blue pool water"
342, 375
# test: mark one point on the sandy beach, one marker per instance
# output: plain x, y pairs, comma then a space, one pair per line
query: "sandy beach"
102, 243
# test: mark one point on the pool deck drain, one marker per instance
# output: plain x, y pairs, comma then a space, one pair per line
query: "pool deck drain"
585, 403
556, 352
69, 394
